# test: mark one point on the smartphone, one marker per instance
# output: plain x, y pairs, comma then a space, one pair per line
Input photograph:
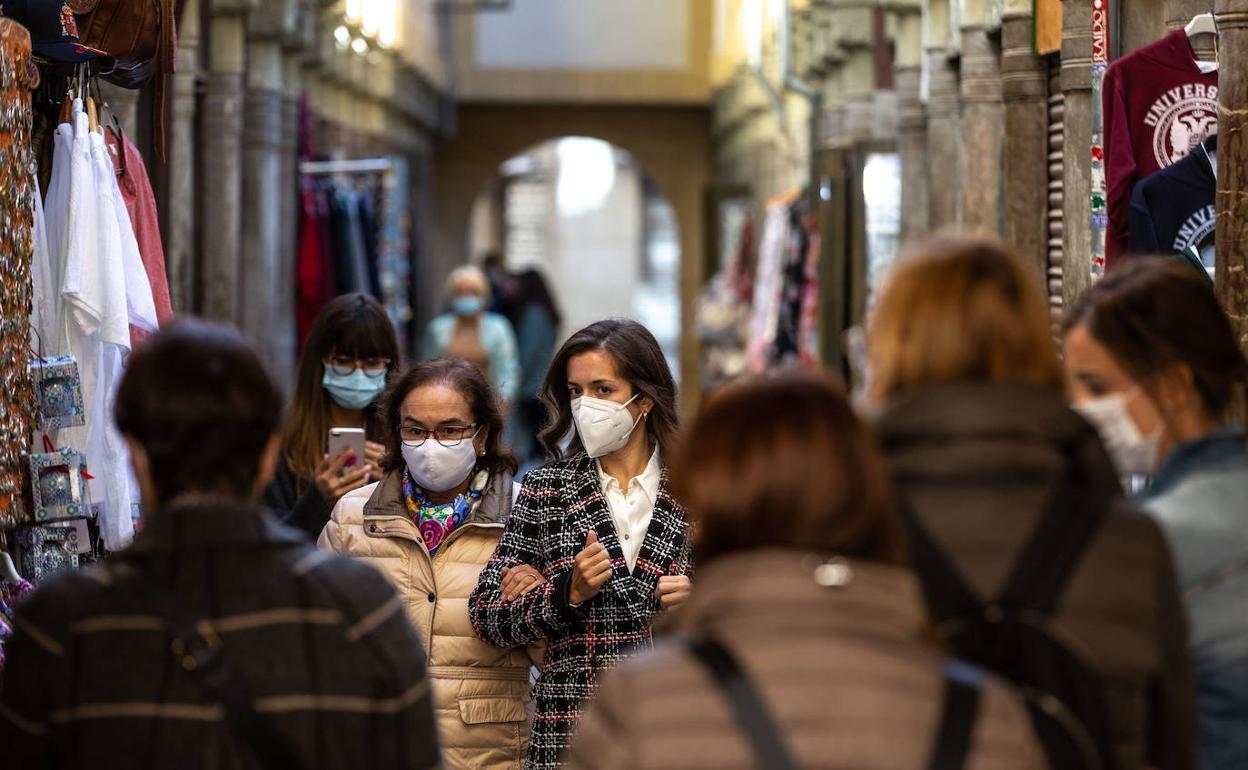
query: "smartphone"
342, 439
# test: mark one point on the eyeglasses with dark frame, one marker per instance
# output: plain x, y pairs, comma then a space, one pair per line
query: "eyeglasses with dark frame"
344, 366
447, 435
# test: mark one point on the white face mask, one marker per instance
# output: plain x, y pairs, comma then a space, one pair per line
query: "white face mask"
437, 468
1131, 451
604, 426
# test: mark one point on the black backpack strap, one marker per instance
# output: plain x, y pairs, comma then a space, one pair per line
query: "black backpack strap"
957, 725
947, 593
1064, 532
202, 656
752, 714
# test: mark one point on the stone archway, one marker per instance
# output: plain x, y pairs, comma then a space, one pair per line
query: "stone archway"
671, 143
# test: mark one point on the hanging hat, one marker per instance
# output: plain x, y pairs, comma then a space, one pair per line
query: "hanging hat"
53, 29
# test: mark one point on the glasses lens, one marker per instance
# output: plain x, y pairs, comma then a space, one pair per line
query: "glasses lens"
341, 366
454, 435
412, 436
375, 372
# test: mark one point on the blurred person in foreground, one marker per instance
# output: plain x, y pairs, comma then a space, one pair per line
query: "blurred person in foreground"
801, 581
469, 331
1018, 525
1154, 364
220, 640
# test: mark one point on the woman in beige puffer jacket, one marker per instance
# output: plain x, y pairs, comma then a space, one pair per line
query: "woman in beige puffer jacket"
481, 692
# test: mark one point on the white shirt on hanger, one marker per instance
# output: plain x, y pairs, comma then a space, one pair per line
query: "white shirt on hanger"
140, 306
632, 511
95, 319
50, 340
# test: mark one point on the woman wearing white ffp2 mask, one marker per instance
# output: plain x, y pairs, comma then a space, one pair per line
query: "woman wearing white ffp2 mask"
431, 525
1155, 366
597, 527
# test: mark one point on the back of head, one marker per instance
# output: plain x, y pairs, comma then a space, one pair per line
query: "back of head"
200, 403
1154, 313
784, 462
960, 309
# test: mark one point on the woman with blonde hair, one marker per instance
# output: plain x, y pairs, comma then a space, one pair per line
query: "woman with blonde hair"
468, 331
1015, 511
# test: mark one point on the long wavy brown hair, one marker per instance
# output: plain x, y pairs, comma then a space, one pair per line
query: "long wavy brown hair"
639, 360
350, 325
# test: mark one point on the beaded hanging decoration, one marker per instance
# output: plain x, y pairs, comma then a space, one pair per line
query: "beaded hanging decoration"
18, 75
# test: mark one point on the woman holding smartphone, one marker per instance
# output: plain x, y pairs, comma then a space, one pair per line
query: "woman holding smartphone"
595, 545
344, 367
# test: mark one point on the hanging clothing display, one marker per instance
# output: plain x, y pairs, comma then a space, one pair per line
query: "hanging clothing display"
1175, 209
140, 203
103, 289
1159, 103
723, 319
353, 237
783, 318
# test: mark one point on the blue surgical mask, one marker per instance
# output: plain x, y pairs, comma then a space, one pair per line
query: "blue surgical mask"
355, 390
467, 306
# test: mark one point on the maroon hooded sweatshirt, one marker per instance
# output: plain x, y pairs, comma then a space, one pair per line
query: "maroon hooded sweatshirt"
1158, 105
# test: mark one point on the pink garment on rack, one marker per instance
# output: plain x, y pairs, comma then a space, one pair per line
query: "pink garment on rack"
136, 189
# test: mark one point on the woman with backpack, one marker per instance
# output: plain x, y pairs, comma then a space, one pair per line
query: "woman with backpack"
800, 587
1155, 366
1032, 563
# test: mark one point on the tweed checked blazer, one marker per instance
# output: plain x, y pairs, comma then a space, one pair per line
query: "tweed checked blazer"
558, 506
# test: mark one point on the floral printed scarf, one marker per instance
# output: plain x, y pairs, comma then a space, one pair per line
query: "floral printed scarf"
437, 522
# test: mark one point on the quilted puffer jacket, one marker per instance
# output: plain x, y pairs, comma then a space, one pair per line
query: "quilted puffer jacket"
481, 692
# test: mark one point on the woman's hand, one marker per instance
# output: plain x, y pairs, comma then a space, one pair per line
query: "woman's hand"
520, 580
673, 590
331, 480
373, 454
591, 570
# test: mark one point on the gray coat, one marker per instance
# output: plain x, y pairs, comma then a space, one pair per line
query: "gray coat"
978, 464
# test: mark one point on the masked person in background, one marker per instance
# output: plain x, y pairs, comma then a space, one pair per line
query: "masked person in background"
430, 525
1155, 365
596, 545
483, 339
343, 369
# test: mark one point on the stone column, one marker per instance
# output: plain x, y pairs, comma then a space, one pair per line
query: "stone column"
180, 246
267, 312
289, 245
911, 126
1232, 235
222, 134
1024, 82
983, 122
1076, 178
944, 140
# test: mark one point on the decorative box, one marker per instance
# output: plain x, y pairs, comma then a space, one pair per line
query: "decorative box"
47, 550
58, 484
58, 387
